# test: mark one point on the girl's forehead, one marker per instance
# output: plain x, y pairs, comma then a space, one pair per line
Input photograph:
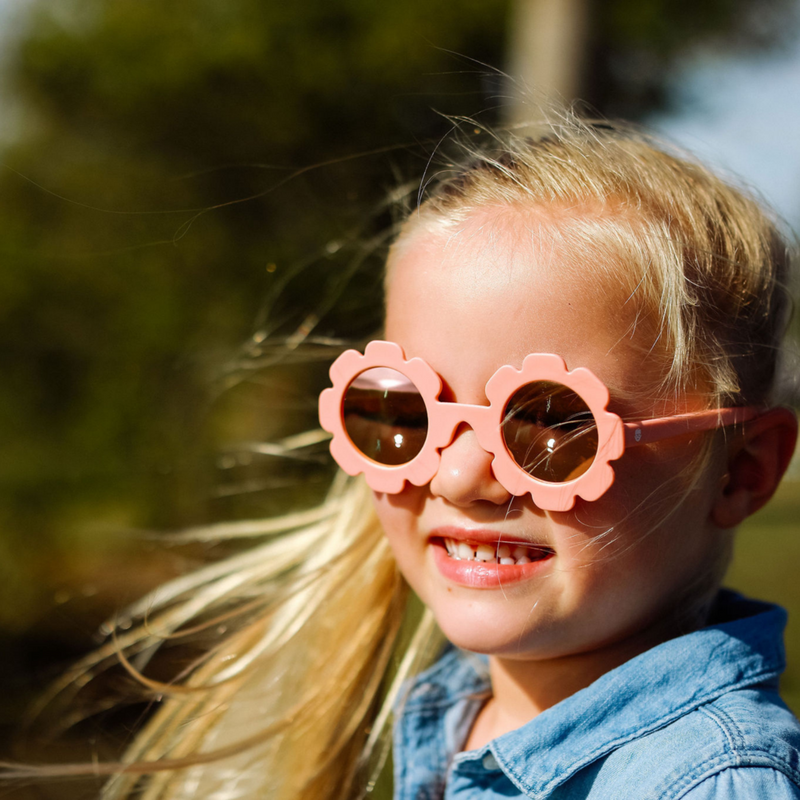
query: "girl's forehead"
501, 265
528, 247
502, 285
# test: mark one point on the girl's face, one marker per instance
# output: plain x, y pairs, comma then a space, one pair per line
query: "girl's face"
615, 569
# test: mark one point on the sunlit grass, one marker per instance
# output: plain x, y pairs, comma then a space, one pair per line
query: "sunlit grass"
765, 566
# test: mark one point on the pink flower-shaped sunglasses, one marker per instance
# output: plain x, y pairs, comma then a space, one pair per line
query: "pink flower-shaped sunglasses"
548, 429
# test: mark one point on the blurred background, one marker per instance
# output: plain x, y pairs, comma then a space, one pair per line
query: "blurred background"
181, 181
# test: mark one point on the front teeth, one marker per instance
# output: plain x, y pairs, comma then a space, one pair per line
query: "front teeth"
501, 554
460, 550
485, 552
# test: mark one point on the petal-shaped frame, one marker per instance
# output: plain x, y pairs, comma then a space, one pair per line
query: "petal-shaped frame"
379, 477
485, 420
610, 432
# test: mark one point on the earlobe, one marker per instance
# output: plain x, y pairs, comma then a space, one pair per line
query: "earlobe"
757, 460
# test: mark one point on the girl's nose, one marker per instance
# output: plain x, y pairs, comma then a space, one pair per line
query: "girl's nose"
465, 472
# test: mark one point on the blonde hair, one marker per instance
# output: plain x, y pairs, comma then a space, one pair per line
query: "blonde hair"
293, 701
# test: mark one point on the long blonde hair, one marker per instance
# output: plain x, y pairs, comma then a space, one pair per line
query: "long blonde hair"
292, 699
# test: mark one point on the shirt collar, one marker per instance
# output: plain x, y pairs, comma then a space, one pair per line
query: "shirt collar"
649, 691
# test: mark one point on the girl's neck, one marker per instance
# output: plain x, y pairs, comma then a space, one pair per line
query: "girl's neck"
522, 689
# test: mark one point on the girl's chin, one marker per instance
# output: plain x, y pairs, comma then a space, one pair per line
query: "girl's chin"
481, 633
507, 623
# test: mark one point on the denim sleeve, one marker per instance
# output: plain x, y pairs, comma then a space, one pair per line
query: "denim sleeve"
745, 783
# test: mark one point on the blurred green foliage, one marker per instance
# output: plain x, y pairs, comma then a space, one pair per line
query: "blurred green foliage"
151, 203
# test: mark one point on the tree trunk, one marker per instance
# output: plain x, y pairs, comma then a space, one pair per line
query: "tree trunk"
547, 42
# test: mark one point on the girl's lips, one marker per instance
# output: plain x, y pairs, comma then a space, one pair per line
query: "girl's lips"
485, 574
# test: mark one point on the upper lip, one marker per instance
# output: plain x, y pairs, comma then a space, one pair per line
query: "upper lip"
483, 536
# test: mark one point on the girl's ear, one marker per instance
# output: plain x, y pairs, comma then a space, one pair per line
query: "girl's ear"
757, 459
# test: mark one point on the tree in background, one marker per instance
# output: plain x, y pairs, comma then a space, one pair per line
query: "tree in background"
619, 55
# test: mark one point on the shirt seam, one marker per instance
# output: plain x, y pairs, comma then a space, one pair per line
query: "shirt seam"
730, 730
715, 766
436, 705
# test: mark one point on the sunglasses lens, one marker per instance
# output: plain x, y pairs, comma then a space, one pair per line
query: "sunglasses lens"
550, 431
385, 416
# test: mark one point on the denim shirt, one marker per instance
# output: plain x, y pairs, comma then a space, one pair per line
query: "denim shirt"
697, 717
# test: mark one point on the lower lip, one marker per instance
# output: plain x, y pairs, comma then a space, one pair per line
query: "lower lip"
483, 575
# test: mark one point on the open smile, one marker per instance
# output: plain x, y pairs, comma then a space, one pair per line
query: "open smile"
485, 561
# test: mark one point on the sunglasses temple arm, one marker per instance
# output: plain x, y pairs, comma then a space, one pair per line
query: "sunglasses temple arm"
654, 430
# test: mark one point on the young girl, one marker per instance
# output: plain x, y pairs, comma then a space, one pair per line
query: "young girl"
569, 411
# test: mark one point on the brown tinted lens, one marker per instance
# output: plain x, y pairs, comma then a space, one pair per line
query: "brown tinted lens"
385, 416
550, 431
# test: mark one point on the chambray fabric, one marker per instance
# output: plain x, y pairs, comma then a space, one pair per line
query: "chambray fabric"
698, 717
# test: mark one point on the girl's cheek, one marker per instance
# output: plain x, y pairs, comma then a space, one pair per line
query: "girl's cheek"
401, 517
650, 484
399, 513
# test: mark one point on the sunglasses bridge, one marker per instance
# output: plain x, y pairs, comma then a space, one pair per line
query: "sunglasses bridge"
482, 419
